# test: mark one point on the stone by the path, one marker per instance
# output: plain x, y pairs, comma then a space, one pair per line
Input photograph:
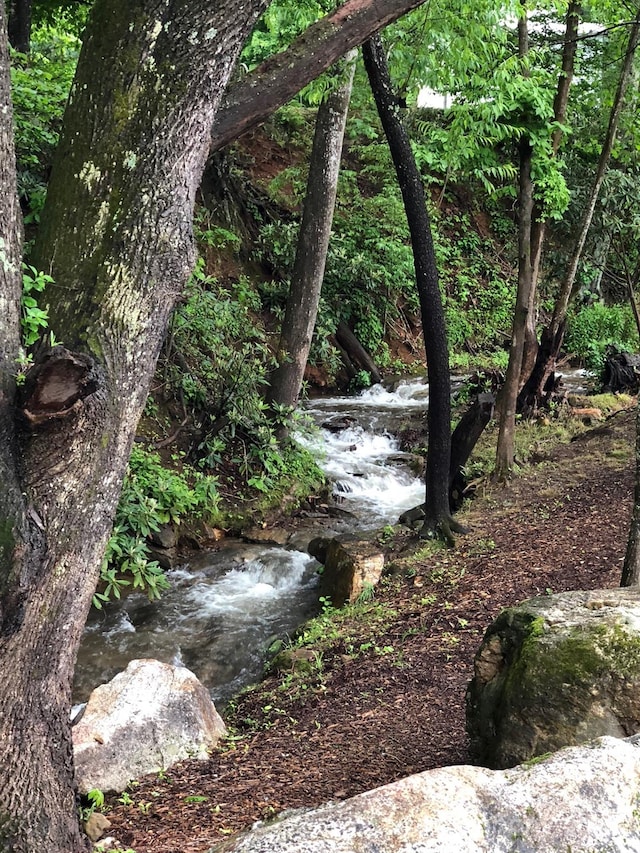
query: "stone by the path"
554, 671
143, 721
351, 566
583, 799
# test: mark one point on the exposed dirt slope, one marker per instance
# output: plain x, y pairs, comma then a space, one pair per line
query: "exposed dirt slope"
389, 701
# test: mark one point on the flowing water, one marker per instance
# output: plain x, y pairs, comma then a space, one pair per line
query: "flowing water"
224, 606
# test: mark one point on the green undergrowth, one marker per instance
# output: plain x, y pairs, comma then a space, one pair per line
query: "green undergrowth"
300, 666
152, 496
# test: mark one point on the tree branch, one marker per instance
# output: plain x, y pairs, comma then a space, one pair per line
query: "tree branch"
257, 95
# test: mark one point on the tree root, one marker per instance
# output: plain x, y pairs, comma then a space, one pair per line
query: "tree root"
444, 529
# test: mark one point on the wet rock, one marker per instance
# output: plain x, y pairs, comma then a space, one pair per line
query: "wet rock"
167, 558
145, 720
582, 799
554, 671
165, 537
351, 566
266, 536
318, 548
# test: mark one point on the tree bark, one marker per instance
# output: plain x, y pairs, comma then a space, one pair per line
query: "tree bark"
438, 520
20, 25
254, 97
116, 236
553, 335
509, 394
313, 243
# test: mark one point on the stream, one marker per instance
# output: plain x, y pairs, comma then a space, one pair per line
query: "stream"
223, 609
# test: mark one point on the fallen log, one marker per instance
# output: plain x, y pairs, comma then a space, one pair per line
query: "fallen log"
356, 353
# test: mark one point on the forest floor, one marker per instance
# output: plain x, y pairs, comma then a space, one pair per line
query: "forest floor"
383, 694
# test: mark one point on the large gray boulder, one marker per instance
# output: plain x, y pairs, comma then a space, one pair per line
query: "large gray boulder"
144, 720
555, 671
583, 799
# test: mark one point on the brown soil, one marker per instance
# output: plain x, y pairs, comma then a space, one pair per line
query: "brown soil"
389, 701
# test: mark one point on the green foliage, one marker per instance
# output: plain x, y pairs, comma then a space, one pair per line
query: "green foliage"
478, 297
218, 360
34, 319
152, 496
91, 802
592, 328
40, 85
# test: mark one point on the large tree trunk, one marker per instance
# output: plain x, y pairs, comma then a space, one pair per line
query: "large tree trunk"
116, 236
438, 519
313, 244
553, 335
509, 393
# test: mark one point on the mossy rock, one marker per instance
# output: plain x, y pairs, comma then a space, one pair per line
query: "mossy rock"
556, 671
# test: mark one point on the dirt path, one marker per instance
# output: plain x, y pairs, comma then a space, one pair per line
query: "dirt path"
385, 697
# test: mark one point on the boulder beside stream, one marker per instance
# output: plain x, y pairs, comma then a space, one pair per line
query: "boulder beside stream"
554, 671
351, 566
144, 720
582, 799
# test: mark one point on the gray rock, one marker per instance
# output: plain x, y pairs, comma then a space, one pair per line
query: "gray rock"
555, 671
144, 720
583, 799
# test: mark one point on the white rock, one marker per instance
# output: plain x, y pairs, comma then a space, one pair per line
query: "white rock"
146, 719
582, 799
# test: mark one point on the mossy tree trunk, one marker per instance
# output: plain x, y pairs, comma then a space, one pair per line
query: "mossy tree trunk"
117, 238
438, 520
313, 243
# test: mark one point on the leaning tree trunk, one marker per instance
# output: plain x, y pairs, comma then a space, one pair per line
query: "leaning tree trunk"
438, 520
553, 335
116, 236
313, 243
509, 395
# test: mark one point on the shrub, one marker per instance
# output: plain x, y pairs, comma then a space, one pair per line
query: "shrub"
592, 328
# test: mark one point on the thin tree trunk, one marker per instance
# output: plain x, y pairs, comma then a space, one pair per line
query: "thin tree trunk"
438, 520
553, 334
313, 243
631, 567
509, 394
539, 225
